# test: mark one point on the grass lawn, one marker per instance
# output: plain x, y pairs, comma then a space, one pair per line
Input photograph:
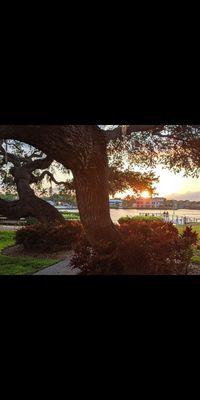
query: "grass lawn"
28, 266
71, 215
196, 256
19, 265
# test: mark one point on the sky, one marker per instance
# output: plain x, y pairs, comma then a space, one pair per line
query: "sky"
171, 186
176, 186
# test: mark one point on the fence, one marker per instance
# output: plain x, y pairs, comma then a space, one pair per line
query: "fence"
6, 221
175, 219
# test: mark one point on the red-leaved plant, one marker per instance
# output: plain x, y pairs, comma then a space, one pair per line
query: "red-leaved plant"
50, 237
146, 247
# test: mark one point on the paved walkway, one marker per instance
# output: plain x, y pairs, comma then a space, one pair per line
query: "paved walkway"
61, 268
9, 227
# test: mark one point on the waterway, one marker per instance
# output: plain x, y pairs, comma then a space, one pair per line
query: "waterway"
181, 213
193, 214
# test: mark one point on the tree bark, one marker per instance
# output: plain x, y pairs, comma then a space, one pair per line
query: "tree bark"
92, 191
32, 207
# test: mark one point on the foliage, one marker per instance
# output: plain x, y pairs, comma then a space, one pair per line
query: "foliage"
196, 248
31, 221
64, 196
146, 247
177, 147
8, 196
128, 219
50, 237
122, 180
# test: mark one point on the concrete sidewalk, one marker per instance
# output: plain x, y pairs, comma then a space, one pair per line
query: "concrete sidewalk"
61, 268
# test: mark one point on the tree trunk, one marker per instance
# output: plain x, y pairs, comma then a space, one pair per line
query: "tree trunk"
28, 205
32, 207
94, 208
91, 183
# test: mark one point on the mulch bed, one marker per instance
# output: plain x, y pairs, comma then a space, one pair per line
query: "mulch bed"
194, 269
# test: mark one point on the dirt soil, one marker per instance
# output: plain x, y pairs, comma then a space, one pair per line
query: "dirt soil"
19, 251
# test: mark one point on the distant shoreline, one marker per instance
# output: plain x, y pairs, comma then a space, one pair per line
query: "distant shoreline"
154, 209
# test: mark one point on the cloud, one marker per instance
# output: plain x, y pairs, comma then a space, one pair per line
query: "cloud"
193, 196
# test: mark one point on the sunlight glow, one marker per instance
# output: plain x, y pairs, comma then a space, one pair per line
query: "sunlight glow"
145, 194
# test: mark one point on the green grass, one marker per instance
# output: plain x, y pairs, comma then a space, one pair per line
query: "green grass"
7, 238
19, 265
22, 266
196, 251
194, 228
71, 215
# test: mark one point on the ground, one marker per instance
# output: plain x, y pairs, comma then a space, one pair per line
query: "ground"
26, 265
19, 265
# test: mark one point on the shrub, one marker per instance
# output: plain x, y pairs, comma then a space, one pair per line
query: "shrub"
43, 237
146, 247
31, 221
128, 219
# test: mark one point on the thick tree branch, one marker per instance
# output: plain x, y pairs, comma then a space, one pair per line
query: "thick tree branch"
10, 209
39, 178
41, 163
31, 206
123, 130
70, 145
8, 157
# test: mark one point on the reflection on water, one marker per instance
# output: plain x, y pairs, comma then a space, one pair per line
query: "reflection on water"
116, 214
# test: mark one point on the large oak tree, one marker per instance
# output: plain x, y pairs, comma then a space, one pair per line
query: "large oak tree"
84, 150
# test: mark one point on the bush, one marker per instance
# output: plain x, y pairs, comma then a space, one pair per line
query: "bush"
128, 219
146, 247
31, 221
41, 237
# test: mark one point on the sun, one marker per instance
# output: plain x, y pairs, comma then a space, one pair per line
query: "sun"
145, 194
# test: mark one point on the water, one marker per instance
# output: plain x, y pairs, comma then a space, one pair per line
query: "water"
118, 213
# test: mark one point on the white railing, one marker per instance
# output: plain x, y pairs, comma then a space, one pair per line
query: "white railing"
6, 221
175, 219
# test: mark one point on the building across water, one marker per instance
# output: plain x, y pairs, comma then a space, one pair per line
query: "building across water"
141, 202
150, 202
116, 203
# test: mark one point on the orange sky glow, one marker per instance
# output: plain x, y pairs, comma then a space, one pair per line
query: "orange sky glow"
170, 186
